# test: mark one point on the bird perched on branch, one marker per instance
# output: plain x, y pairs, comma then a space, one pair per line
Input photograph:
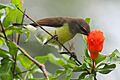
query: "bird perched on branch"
64, 27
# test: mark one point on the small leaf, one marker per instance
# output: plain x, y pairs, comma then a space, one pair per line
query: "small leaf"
42, 59
43, 79
86, 53
87, 20
81, 68
26, 63
100, 58
83, 75
8, 32
107, 68
2, 14
10, 17
12, 48
27, 33
4, 53
18, 3
90, 77
114, 57
5, 70
19, 15
59, 72
68, 73
18, 70
12, 6
2, 6
57, 61
1, 41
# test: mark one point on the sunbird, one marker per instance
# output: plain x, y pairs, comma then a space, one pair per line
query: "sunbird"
64, 27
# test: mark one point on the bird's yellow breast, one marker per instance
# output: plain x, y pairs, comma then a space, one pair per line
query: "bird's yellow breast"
63, 34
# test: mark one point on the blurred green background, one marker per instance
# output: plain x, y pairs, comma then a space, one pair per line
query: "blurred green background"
104, 14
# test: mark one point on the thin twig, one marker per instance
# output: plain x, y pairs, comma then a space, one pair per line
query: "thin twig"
23, 72
93, 69
17, 42
50, 35
3, 31
18, 37
41, 66
5, 37
95, 76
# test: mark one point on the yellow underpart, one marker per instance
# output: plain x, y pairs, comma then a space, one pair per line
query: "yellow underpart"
63, 34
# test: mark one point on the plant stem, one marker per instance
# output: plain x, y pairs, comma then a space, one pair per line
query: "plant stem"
93, 69
17, 42
41, 66
3, 31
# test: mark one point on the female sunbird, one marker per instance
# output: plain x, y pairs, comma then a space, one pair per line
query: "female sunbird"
64, 27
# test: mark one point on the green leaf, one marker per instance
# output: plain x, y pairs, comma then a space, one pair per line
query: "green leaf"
19, 14
26, 63
86, 53
83, 75
66, 56
4, 53
42, 59
100, 58
5, 70
37, 79
2, 41
7, 32
107, 68
57, 61
87, 20
2, 12
18, 3
18, 70
27, 33
90, 77
87, 61
12, 6
12, 48
10, 17
69, 72
114, 57
43, 79
13, 14
51, 58
81, 68
2, 5
59, 72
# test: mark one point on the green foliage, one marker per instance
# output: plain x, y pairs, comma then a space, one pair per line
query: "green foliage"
67, 66
87, 20
114, 57
26, 63
12, 48
106, 68
5, 70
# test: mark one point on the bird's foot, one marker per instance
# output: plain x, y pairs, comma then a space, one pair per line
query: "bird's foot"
55, 37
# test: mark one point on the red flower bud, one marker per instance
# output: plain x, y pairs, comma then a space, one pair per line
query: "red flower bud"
95, 43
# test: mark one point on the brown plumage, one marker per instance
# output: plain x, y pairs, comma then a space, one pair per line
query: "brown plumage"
76, 25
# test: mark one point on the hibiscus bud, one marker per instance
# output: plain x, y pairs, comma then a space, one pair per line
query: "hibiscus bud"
95, 43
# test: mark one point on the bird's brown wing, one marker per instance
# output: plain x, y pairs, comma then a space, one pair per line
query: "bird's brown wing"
51, 22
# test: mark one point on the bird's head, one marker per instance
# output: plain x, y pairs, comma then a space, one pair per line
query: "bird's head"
79, 26
84, 27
